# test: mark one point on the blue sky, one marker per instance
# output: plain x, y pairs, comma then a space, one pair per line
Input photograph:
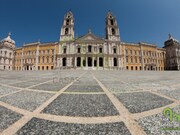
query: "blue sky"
139, 20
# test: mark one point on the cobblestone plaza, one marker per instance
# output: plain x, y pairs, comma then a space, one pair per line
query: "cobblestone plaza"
88, 102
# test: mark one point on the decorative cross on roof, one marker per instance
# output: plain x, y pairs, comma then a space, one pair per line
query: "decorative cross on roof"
9, 34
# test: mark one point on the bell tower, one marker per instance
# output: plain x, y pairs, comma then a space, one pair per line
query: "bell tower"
112, 30
67, 29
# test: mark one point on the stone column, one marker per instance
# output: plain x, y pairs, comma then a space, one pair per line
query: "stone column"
54, 57
125, 62
157, 64
60, 49
86, 61
22, 60
75, 62
142, 58
81, 62
119, 59
112, 62
104, 62
119, 62
60, 63
97, 62
37, 55
93, 61
109, 61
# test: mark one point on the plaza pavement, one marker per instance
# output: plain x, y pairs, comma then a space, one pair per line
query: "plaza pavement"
77, 102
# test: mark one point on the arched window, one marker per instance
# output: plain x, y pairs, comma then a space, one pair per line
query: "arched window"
64, 50
112, 22
64, 62
113, 31
79, 50
66, 31
100, 50
78, 62
100, 62
115, 62
67, 22
114, 50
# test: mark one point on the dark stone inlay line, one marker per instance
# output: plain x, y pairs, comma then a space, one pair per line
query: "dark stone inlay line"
46, 127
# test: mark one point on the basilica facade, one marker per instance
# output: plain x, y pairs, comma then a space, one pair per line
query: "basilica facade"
89, 51
92, 52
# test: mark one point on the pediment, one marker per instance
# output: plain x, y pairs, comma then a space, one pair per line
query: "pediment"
89, 37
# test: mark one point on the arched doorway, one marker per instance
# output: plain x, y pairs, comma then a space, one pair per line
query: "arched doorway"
95, 63
100, 62
152, 68
115, 62
78, 62
89, 62
64, 62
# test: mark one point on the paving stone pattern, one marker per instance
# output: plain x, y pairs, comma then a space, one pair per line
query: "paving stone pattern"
81, 105
7, 117
44, 127
142, 101
86, 106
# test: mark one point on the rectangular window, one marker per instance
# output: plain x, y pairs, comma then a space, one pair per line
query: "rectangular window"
100, 50
64, 51
114, 50
131, 52
79, 50
52, 51
127, 59
126, 52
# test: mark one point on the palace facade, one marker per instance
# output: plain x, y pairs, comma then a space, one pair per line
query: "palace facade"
7, 46
172, 47
89, 51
